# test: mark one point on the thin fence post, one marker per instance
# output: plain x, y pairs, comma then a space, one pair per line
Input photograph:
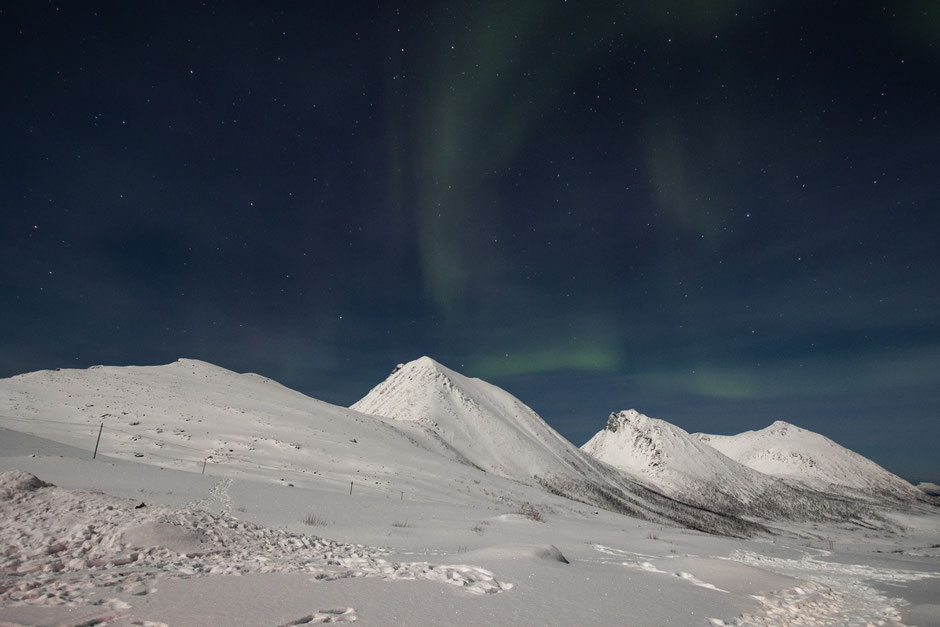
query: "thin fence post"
97, 441
350, 487
204, 465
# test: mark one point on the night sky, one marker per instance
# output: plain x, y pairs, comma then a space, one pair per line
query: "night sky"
720, 213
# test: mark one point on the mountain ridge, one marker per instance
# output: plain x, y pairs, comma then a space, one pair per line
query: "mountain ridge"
807, 458
498, 433
684, 467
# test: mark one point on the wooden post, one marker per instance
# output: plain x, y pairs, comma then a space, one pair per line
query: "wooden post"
350, 487
204, 465
97, 441
402, 495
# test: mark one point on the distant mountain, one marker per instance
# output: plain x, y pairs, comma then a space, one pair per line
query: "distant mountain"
482, 425
929, 487
813, 460
686, 468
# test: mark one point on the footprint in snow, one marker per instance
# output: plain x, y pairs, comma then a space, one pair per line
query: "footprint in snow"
339, 615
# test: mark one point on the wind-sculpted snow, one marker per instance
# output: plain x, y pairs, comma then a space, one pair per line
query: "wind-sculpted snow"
686, 468
63, 547
798, 455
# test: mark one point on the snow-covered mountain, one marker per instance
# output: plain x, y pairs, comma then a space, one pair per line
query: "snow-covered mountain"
482, 425
463, 439
686, 468
189, 413
479, 423
929, 487
798, 455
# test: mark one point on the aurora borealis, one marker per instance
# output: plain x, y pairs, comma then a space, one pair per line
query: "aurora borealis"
719, 213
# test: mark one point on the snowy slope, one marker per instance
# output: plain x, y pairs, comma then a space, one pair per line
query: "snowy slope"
483, 424
190, 413
686, 468
488, 428
786, 451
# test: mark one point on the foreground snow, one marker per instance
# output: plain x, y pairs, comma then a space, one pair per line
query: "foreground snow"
61, 547
217, 551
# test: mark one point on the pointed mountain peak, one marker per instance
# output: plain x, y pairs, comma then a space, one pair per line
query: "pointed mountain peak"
426, 362
479, 422
413, 390
781, 427
423, 364
422, 372
636, 442
627, 417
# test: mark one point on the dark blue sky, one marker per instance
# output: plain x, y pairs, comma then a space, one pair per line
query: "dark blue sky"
719, 213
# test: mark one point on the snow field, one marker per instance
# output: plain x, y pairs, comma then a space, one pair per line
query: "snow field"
59, 547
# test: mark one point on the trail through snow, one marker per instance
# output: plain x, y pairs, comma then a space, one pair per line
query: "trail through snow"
830, 593
641, 561
834, 593
218, 498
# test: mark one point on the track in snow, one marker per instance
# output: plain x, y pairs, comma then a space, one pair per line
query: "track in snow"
836, 594
217, 500
640, 561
